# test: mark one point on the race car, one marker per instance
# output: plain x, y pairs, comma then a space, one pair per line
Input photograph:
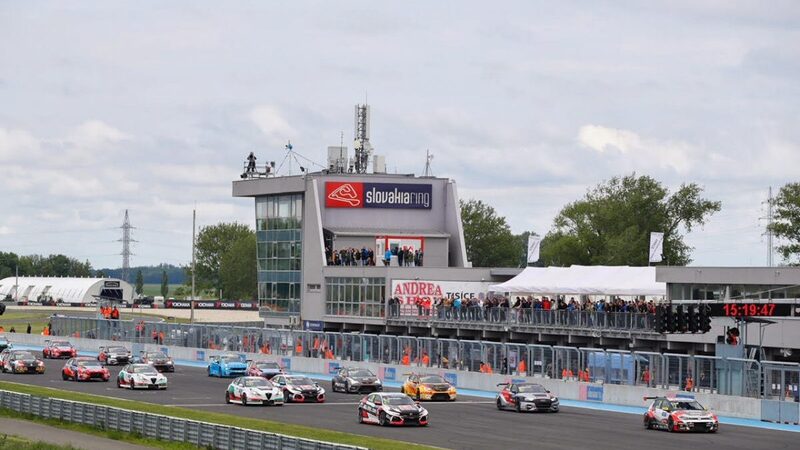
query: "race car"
265, 369
158, 360
297, 388
679, 413
21, 361
228, 365
253, 390
353, 379
4, 343
84, 369
428, 387
524, 397
386, 408
141, 376
114, 354
58, 349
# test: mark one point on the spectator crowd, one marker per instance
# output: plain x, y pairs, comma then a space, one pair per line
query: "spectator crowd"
406, 256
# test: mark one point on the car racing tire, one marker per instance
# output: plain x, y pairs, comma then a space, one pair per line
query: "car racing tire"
244, 399
209, 371
382, 419
648, 425
670, 424
360, 416
346, 387
227, 397
517, 406
64, 376
499, 404
418, 397
286, 397
119, 385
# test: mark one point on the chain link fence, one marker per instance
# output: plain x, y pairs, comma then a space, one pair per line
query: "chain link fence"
711, 374
201, 434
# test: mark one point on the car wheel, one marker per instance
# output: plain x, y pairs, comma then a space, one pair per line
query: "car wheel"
382, 419
209, 371
244, 399
286, 397
119, 385
671, 424
647, 424
517, 406
418, 397
360, 416
499, 404
346, 387
64, 376
227, 397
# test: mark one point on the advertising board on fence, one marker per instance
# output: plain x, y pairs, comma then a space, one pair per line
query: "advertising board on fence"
211, 304
408, 291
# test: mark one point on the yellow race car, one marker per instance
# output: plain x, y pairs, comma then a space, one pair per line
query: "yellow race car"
428, 387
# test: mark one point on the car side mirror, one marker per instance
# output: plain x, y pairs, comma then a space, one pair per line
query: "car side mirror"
548, 391
378, 403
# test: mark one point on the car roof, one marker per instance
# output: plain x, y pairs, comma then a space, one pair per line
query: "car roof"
391, 394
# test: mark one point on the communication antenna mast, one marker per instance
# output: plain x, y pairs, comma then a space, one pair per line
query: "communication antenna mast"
428, 159
126, 247
769, 228
362, 146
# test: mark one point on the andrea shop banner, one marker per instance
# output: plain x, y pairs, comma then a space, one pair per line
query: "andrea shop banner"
408, 291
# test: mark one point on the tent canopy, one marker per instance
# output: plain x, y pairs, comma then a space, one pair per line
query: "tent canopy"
585, 280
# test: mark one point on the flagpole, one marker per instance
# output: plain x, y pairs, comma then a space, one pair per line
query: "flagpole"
191, 302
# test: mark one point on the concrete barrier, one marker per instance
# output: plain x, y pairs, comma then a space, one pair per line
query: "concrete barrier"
740, 407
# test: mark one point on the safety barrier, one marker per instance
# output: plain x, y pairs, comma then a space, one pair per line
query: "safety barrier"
524, 317
201, 434
709, 374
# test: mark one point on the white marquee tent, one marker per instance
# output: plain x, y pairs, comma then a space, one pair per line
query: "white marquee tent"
65, 289
585, 280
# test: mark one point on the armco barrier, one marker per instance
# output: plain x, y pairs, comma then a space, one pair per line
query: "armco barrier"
202, 434
726, 405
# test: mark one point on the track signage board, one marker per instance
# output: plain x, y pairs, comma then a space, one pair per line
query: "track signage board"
350, 194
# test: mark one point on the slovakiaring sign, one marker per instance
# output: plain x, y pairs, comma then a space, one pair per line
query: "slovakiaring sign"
377, 195
408, 291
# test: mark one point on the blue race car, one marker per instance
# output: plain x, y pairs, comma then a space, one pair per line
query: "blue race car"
227, 365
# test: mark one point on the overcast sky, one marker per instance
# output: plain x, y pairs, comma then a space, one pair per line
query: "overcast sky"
107, 106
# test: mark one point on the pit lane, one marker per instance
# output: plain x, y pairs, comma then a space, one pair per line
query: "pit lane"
469, 423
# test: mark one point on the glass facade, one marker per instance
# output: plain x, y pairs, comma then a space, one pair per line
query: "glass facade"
279, 234
355, 296
680, 291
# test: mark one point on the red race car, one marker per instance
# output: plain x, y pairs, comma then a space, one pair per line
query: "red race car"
58, 349
679, 413
84, 369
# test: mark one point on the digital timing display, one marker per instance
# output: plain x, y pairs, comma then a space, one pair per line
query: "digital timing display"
751, 309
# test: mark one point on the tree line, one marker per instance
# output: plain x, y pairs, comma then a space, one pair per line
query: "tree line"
43, 266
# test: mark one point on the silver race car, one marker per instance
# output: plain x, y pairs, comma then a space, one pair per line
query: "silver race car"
385, 408
523, 397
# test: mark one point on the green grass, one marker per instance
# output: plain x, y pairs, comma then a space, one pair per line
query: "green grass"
153, 290
11, 442
131, 438
20, 320
219, 418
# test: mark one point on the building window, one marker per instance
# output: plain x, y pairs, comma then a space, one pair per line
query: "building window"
355, 296
279, 249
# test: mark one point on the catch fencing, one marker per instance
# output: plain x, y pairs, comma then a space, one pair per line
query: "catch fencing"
524, 317
710, 374
201, 434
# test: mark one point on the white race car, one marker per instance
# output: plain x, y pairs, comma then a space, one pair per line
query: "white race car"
141, 376
679, 413
384, 408
253, 390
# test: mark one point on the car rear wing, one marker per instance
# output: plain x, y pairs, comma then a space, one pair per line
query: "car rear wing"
504, 384
646, 398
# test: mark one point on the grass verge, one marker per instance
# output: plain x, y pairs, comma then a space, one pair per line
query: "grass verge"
130, 438
219, 418
11, 442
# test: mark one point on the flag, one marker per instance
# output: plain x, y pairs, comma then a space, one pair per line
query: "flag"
533, 248
656, 247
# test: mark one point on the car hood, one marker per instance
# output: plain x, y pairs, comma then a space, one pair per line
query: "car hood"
365, 380
437, 386
304, 387
694, 414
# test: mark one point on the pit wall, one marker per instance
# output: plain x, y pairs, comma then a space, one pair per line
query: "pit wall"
729, 406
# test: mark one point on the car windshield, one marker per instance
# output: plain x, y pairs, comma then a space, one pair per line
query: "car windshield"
60, 344
398, 400
266, 366
433, 379
690, 405
158, 355
3, 340
117, 349
144, 370
230, 358
23, 355
87, 363
257, 382
361, 373
299, 380
532, 389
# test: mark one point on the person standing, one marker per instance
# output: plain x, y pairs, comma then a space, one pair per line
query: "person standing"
29, 328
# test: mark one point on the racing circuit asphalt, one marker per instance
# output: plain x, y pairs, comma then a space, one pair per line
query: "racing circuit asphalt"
468, 423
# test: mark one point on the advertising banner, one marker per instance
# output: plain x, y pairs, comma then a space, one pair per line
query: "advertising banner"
377, 195
408, 291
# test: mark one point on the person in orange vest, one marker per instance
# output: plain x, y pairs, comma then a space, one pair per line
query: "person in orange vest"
570, 374
689, 383
315, 347
426, 360
406, 360
298, 349
2, 329
646, 376
328, 353
522, 368
115, 313
161, 337
563, 374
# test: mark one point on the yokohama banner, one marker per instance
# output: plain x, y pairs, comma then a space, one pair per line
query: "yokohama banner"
408, 291
181, 304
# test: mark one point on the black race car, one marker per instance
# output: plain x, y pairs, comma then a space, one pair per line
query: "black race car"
353, 379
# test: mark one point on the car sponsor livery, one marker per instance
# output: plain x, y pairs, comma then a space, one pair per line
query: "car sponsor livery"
114, 354
391, 409
526, 397
264, 369
84, 369
141, 376
428, 387
353, 379
227, 365
58, 349
253, 391
20, 361
377, 195
297, 388
679, 413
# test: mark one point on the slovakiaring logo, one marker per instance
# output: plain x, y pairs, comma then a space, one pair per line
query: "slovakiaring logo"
378, 195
